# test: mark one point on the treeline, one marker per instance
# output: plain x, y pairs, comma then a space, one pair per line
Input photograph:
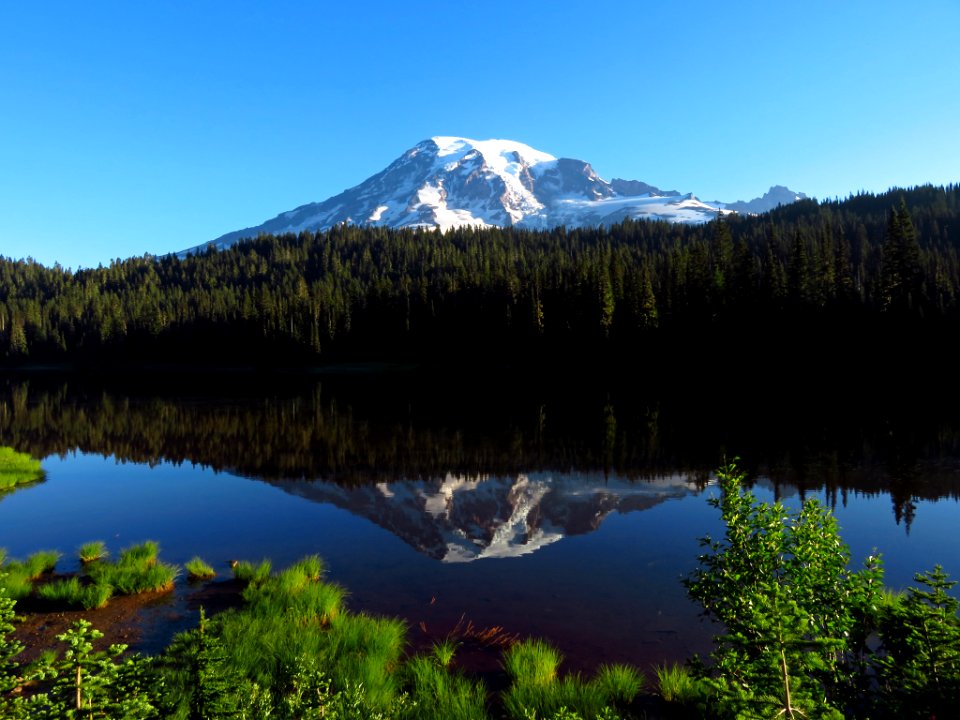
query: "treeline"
849, 270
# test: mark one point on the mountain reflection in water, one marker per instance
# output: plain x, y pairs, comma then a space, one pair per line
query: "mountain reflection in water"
462, 518
401, 484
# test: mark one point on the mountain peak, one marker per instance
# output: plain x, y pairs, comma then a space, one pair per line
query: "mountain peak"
777, 195
448, 181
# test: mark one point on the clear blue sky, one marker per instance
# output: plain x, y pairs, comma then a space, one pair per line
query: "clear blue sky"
149, 127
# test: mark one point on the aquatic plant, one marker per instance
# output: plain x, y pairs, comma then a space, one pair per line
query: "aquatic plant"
246, 571
18, 468
92, 551
441, 695
15, 581
678, 685
140, 555
71, 592
444, 651
17, 577
197, 569
619, 683
137, 570
532, 662
40, 562
569, 695
310, 566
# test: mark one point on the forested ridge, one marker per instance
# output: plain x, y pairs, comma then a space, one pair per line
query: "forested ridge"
857, 271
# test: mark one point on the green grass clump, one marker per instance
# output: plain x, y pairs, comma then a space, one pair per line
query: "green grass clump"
310, 566
247, 572
444, 651
72, 593
197, 569
42, 561
135, 571
620, 684
532, 662
17, 577
442, 695
678, 686
292, 620
140, 556
17, 468
16, 581
570, 695
92, 551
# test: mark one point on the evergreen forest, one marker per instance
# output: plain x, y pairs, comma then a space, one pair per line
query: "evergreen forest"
860, 276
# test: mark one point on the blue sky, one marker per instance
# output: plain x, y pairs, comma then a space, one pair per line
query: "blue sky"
148, 127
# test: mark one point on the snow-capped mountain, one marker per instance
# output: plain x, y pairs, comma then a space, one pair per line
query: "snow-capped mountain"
461, 519
448, 182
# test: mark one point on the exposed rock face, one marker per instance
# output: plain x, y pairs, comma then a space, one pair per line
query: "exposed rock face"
449, 182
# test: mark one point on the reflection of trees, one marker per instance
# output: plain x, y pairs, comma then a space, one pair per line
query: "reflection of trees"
371, 430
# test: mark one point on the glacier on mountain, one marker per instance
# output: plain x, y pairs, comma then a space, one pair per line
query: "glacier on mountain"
448, 182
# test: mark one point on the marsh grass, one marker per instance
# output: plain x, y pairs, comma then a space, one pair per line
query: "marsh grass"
532, 662
17, 577
294, 622
18, 468
41, 562
140, 556
570, 694
619, 683
197, 569
247, 572
442, 695
92, 551
444, 651
310, 566
678, 686
14, 578
72, 593
136, 571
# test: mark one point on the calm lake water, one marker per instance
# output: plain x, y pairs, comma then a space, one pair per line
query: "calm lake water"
570, 514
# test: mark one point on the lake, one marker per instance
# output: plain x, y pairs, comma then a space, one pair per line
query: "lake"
560, 509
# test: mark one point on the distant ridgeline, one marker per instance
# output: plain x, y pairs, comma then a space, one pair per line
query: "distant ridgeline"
794, 287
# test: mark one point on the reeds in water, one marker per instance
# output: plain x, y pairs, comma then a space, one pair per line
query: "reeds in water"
198, 569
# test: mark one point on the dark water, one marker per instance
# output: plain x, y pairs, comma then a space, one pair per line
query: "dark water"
554, 510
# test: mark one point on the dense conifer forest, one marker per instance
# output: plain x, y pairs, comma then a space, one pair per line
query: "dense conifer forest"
805, 280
